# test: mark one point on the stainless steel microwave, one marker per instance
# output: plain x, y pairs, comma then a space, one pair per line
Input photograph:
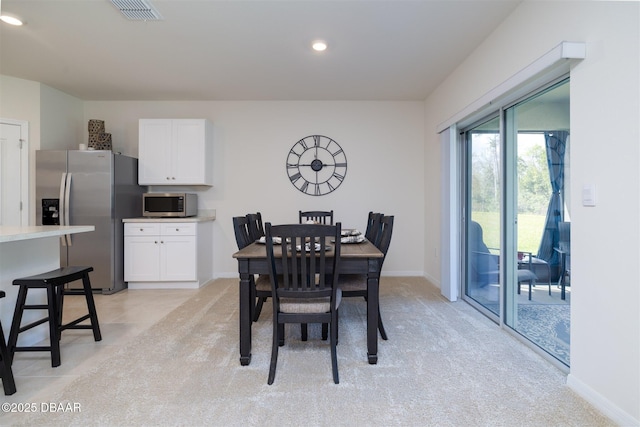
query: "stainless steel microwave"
169, 204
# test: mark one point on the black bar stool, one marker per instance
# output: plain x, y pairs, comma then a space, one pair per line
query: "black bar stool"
53, 282
6, 373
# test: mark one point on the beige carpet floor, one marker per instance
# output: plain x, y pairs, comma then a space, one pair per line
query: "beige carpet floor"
444, 365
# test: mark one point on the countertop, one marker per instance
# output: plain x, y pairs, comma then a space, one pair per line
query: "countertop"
203, 216
12, 234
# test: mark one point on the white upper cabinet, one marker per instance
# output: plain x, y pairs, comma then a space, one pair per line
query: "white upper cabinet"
175, 152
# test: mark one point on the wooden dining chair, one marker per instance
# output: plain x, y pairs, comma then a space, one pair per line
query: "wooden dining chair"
374, 226
306, 291
254, 222
319, 217
355, 285
260, 287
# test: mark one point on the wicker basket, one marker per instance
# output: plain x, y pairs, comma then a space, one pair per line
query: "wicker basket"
96, 126
100, 141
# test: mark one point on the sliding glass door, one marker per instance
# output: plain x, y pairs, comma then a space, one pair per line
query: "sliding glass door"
482, 215
538, 129
516, 218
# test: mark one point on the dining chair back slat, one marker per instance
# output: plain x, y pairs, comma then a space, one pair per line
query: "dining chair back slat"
319, 217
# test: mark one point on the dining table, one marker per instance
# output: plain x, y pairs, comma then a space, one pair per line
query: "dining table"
355, 258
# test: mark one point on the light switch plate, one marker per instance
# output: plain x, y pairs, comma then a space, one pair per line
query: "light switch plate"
589, 195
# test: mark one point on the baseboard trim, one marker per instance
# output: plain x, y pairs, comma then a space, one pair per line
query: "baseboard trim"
604, 405
384, 274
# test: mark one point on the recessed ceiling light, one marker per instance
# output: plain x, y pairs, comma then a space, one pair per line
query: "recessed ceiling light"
12, 20
319, 45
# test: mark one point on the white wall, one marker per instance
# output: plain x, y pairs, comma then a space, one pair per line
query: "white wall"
605, 320
20, 100
383, 142
54, 119
61, 120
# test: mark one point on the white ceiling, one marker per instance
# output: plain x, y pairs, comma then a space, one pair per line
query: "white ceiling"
246, 50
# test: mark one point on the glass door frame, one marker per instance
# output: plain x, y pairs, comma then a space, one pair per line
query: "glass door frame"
508, 208
465, 192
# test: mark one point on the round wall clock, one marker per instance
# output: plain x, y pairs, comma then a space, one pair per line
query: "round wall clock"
316, 165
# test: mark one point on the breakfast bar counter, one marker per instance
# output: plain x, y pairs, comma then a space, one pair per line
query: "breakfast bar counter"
25, 251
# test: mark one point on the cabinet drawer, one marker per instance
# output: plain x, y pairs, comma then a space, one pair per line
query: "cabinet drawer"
141, 229
178, 229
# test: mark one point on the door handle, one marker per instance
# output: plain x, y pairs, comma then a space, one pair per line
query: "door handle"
61, 207
67, 204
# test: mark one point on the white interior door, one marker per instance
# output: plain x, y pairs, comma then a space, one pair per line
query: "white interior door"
14, 166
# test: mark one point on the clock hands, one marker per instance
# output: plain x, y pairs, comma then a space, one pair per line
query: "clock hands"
317, 165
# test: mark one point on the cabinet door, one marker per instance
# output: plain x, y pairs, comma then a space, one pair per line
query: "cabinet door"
189, 158
178, 258
155, 148
141, 258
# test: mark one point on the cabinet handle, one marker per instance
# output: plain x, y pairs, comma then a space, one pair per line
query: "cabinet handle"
156, 242
142, 229
161, 241
177, 229
173, 177
168, 178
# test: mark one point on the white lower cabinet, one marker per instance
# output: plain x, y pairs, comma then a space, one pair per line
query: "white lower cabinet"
167, 255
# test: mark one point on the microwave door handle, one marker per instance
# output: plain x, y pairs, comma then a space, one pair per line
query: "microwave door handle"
67, 204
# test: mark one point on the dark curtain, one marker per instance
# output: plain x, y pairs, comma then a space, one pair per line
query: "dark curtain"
556, 144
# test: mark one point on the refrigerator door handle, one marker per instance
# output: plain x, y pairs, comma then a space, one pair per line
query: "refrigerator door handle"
67, 202
63, 186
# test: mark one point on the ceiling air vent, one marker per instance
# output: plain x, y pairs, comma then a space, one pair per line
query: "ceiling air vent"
137, 10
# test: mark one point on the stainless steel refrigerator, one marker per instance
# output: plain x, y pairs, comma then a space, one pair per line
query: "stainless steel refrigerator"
89, 187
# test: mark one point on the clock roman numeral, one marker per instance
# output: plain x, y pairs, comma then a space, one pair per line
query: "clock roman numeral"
316, 140
295, 177
341, 165
304, 186
317, 190
338, 176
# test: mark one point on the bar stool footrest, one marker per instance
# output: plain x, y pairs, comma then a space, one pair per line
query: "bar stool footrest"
33, 324
74, 324
33, 348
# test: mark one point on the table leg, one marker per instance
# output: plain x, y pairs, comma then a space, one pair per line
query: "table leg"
245, 319
373, 295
